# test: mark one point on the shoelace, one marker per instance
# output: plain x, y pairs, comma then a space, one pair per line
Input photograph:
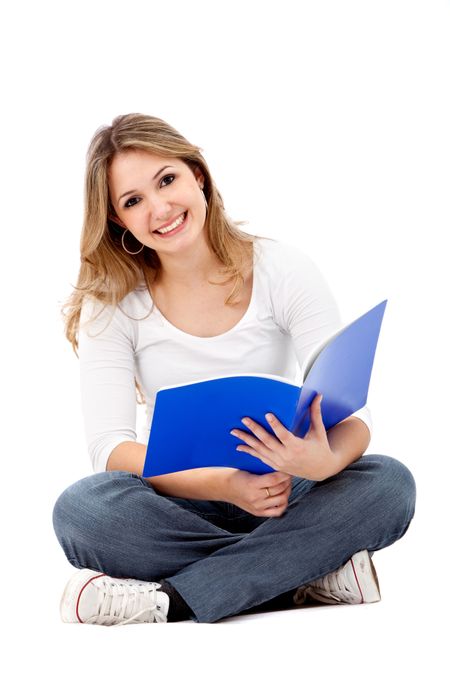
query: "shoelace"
332, 586
120, 598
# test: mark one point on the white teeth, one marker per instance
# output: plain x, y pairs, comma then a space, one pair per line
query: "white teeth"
175, 224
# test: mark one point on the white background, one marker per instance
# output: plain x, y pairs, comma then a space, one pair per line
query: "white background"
325, 124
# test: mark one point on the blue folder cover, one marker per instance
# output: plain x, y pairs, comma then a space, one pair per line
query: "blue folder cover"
192, 422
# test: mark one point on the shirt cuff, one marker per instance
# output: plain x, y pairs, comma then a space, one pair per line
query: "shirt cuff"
100, 455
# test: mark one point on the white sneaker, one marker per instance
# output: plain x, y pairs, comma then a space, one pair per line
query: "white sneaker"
354, 583
92, 597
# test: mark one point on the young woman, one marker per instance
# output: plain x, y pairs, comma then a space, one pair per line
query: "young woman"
170, 290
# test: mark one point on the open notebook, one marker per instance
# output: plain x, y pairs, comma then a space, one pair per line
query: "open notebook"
192, 421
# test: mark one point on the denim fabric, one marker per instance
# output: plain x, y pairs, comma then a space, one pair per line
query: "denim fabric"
221, 559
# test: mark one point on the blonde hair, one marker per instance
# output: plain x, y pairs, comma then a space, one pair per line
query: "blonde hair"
107, 272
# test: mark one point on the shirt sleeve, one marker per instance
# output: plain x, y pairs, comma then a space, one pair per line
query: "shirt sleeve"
108, 394
307, 309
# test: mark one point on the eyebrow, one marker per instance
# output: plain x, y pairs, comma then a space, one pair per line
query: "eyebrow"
129, 192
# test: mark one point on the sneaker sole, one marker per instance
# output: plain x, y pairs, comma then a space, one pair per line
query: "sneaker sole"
366, 577
68, 607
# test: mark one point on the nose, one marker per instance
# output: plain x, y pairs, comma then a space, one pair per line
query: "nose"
158, 209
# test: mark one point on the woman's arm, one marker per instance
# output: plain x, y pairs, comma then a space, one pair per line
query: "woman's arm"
207, 483
348, 441
108, 396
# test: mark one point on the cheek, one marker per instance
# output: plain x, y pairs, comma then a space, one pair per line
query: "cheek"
195, 196
134, 216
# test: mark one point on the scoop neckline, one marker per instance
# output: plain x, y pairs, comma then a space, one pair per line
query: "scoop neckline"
244, 317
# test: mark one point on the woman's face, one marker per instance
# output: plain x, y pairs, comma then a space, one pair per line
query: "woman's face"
150, 192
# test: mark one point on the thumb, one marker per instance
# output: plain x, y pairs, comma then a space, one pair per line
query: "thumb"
317, 425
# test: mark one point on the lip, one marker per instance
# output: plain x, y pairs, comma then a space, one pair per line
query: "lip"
176, 230
170, 222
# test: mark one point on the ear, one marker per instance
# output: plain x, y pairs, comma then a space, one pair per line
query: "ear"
116, 220
200, 177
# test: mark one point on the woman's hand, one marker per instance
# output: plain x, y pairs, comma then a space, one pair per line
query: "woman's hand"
310, 457
263, 495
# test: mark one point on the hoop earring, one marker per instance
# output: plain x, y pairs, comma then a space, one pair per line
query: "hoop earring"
125, 248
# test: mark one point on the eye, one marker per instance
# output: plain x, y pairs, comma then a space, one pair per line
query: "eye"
131, 202
169, 175
135, 200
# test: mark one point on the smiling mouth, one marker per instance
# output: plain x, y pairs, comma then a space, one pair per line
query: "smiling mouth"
174, 226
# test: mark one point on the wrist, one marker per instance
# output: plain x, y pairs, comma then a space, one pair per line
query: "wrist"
226, 486
217, 483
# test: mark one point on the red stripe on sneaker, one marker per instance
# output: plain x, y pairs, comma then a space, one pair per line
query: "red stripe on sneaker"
79, 594
357, 581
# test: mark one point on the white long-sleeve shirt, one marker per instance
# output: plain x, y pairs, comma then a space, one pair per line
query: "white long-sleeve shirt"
291, 310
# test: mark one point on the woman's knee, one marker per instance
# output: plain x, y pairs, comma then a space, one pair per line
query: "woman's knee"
86, 501
394, 486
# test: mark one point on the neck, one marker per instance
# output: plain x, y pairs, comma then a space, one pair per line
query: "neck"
190, 267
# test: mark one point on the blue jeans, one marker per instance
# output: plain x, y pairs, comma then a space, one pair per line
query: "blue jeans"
221, 559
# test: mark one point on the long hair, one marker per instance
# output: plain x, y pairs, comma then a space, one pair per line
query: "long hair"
107, 272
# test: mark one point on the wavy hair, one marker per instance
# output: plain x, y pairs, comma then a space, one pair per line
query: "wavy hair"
107, 272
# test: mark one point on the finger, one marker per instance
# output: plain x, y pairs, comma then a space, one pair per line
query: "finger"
275, 509
271, 502
250, 440
279, 429
261, 452
274, 479
283, 474
278, 490
267, 439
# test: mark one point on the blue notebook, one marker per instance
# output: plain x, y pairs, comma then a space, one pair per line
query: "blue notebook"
192, 422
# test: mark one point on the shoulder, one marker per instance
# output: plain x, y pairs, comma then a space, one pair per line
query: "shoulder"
295, 285
283, 259
96, 317
94, 313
